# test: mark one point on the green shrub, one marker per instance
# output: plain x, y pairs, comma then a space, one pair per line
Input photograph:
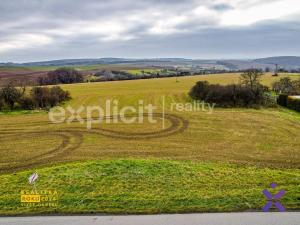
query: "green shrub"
11, 95
270, 100
45, 97
60, 94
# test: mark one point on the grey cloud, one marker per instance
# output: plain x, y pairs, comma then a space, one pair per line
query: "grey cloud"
256, 41
72, 29
222, 7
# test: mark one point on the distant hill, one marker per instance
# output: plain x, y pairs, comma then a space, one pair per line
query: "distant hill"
283, 61
66, 62
244, 64
287, 62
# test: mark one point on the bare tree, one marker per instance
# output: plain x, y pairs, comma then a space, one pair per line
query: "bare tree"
251, 78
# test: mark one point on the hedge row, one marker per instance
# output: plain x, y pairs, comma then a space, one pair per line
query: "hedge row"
233, 95
38, 97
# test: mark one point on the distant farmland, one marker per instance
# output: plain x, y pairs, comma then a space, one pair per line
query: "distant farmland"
30, 74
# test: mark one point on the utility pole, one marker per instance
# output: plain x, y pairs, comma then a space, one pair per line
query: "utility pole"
276, 70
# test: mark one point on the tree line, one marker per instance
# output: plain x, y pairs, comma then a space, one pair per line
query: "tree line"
36, 98
248, 93
62, 75
67, 75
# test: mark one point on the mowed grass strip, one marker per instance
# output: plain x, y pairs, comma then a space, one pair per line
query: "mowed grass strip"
151, 186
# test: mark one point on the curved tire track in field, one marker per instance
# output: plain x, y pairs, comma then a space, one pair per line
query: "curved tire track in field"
63, 149
178, 125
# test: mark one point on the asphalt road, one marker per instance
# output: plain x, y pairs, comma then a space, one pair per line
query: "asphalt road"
253, 218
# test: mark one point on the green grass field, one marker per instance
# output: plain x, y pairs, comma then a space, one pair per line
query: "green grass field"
151, 186
200, 161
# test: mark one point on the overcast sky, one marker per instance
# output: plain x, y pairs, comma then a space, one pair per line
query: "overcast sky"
36, 30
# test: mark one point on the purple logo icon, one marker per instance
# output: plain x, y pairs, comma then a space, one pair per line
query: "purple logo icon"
273, 199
